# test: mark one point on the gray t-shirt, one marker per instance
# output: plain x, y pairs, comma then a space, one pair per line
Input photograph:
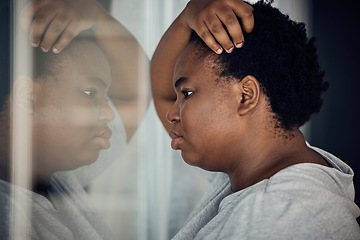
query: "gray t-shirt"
303, 201
69, 214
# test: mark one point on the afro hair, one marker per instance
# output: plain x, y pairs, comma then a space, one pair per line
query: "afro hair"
280, 56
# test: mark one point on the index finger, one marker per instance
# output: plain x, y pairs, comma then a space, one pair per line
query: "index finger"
232, 24
28, 13
245, 12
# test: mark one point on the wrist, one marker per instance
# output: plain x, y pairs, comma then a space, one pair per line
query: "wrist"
182, 21
102, 18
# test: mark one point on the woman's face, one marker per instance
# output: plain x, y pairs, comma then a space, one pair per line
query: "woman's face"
204, 116
71, 113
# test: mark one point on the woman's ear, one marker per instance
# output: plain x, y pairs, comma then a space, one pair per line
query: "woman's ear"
23, 94
250, 93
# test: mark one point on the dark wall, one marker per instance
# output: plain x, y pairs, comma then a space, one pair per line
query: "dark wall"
4, 49
336, 27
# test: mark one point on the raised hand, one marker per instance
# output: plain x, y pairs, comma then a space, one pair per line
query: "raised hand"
216, 22
54, 23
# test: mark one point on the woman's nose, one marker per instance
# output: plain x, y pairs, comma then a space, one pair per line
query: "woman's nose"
173, 114
106, 114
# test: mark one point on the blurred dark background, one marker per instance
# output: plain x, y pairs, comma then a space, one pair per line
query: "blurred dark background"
4, 48
336, 25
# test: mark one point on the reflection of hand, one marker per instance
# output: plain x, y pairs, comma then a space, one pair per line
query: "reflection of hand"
215, 21
56, 22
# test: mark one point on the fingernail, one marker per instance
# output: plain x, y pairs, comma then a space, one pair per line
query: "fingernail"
240, 45
55, 50
34, 44
219, 51
230, 50
44, 49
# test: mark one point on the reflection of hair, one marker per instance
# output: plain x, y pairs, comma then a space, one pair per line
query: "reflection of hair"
279, 55
50, 64
44, 64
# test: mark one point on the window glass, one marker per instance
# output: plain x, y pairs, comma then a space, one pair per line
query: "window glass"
79, 161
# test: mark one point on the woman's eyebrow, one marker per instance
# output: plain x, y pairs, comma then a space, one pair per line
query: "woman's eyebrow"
99, 82
180, 81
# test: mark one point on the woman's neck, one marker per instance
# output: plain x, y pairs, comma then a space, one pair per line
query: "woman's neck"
270, 155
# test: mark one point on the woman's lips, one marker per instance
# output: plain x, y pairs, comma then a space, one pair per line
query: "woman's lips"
175, 143
176, 139
103, 139
104, 143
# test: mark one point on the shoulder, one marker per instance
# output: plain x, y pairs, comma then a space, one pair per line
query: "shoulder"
5, 208
295, 203
13, 204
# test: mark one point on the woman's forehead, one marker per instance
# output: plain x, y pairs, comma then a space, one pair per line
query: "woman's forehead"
88, 60
193, 59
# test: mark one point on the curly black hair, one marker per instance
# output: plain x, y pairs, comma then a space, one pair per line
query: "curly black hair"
280, 56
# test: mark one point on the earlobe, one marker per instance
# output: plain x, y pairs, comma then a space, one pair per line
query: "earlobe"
23, 94
250, 93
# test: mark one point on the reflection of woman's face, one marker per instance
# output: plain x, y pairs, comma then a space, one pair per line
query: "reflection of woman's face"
71, 112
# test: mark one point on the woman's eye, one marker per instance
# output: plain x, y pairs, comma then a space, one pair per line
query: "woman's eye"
187, 93
90, 93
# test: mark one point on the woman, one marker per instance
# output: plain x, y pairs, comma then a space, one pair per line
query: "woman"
239, 113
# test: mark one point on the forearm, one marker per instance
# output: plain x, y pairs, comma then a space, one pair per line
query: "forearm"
163, 64
126, 58
129, 68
